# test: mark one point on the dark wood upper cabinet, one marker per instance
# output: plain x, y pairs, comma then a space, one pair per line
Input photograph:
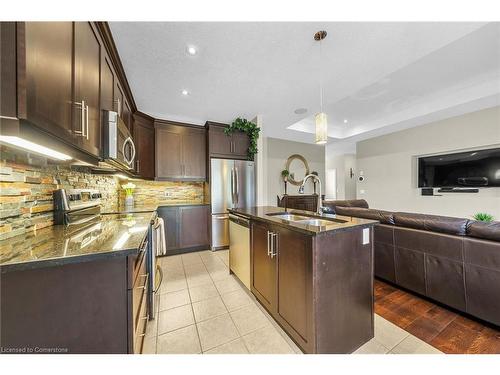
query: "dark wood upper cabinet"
233, 146
180, 152
218, 142
241, 141
45, 58
127, 114
144, 139
263, 267
87, 109
107, 84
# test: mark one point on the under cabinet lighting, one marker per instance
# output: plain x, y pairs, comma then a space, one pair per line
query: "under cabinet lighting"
185, 92
33, 147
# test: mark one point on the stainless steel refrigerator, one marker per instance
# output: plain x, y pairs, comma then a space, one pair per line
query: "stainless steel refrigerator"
232, 185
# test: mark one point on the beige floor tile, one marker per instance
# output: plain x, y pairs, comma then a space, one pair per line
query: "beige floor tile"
149, 346
198, 270
199, 280
174, 299
372, 347
181, 341
152, 328
413, 345
219, 275
171, 275
191, 258
227, 284
201, 292
172, 285
249, 318
388, 334
208, 308
236, 299
169, 260
175, 318
234, 347
267, 340
217, 331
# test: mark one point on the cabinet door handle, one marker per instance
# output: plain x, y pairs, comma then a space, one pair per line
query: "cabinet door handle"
87, 121
82, 118
274, 245
270, 243
138, 165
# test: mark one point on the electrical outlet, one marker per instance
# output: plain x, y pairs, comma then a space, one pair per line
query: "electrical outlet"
168, 193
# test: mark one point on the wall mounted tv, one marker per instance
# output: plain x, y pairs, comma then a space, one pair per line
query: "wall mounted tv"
479, 168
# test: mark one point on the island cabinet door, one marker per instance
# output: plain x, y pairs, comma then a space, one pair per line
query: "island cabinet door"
294, 278
263, 269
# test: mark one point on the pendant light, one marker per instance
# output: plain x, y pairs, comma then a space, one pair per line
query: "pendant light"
320, 118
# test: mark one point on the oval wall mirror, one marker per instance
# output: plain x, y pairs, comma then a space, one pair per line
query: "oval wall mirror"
298, 168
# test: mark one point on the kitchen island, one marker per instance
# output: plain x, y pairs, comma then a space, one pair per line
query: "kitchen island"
314, 275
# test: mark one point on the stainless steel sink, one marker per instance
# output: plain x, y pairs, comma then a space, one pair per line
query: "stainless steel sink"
289, 217
315, 222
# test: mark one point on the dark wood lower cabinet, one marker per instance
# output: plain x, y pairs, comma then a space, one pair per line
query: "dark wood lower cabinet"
89, 307
263, 268
186, 227
319, 288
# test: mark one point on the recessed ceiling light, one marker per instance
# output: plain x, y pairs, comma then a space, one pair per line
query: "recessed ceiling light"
345, 121
300, 111
191, 50
185, 92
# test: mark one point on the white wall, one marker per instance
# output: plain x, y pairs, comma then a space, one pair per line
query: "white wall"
346, 186
389, 165
277, 153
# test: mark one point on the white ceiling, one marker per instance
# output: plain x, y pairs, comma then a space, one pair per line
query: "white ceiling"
381, 77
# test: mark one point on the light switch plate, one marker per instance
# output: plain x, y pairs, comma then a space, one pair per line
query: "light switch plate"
366, 236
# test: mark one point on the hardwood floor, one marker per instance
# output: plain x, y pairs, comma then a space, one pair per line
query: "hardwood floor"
444, 329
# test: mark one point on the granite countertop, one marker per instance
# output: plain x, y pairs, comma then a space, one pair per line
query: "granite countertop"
264, 213
106, 236
148, 207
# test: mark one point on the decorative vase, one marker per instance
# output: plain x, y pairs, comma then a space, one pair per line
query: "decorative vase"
129, 200
285, 186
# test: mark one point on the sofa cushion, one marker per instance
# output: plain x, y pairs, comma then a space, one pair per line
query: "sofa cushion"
488, 231
434, 223
332, 205
384, 217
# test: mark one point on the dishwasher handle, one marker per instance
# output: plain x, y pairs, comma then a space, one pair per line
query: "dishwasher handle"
239, 220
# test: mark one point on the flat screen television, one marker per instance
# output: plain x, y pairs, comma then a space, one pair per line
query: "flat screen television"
464, 169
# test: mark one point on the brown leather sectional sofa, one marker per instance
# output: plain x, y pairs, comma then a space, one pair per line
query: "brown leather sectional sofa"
450, 260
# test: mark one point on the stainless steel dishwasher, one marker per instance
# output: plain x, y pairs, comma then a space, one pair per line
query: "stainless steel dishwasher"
239, 248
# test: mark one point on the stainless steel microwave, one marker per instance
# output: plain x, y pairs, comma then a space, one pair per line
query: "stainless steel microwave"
119, 147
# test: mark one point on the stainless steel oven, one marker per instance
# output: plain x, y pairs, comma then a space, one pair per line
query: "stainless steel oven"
119, 147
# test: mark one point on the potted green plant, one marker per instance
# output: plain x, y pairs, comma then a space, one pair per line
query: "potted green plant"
284, 174
248, 127
482, 216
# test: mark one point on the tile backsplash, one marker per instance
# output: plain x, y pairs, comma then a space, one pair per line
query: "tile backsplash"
26, 192
153, 192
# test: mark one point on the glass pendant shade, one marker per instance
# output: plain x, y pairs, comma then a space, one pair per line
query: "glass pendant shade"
321, 128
